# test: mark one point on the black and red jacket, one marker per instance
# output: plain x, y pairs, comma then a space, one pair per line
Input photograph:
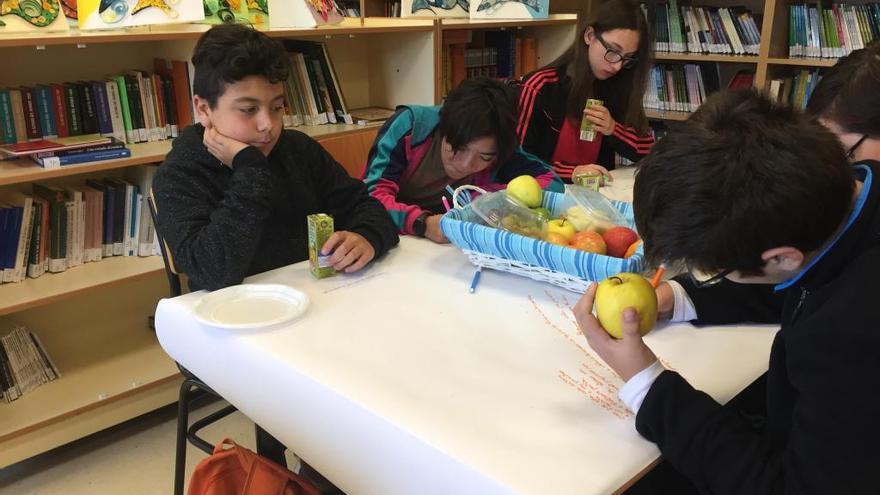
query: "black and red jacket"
542, 97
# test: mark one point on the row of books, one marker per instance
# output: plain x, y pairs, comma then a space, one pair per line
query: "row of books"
24, 364
682, 29
504, 56
684, 87
109, 150
312, 92
832, 32
57, 228
795, 90
132, 107
391, 8
680, 87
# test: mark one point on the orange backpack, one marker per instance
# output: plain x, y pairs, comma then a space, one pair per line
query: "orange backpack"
240, 471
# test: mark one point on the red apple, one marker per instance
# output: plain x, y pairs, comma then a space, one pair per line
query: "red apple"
618, 239
588, 241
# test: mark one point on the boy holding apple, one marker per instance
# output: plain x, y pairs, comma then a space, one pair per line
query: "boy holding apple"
747, 193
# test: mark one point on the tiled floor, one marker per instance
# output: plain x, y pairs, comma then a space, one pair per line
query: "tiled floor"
134, 458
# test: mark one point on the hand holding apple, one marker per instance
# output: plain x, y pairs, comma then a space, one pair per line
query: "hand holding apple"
627, 356
623, 291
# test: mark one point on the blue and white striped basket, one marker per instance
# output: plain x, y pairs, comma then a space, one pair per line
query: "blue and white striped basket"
569, 268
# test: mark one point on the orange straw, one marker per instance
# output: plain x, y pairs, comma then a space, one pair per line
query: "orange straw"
657, 276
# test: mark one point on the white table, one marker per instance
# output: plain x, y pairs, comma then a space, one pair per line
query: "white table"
398, 381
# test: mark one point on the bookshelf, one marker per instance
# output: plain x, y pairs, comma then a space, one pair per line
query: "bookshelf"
773, 60
93, 319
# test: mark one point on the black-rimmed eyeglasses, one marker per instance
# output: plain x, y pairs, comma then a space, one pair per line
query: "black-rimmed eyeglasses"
851, 152
703, 279
613, 55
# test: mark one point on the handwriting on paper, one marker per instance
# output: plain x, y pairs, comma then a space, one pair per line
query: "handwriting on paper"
592, 379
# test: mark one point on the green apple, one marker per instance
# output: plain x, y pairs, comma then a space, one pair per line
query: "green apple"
562, 227
526, 190
625, 290
544, 212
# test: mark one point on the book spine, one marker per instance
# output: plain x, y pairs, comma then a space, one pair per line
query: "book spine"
32, 123
88, 114
60, 110
45, 111
93, 156
99, 94
7, 118
71, 103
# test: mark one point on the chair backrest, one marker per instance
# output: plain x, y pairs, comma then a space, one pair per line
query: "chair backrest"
170, 268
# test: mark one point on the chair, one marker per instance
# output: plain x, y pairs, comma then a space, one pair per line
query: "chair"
191, 387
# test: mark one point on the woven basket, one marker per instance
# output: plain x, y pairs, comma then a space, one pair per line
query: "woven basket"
569, 268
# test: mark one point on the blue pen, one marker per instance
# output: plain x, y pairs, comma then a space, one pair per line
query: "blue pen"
475, 280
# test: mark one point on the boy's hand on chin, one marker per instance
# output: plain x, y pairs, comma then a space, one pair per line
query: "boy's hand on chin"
223, 148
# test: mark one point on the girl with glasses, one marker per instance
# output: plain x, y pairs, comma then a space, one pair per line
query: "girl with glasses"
847, 102
609, 60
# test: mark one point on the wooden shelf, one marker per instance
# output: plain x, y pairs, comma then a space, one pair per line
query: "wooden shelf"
51, 287
132, 362
166, 32
702, 57
666, 115
552, 20
803, 62
25, 170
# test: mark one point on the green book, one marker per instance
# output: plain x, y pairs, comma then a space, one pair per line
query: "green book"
126, 113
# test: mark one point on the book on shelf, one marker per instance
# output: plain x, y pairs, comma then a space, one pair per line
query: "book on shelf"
831, 30
500, 54
312, 93
54, 145
680, 87
25, 363
795, 90
703, 29
85, 156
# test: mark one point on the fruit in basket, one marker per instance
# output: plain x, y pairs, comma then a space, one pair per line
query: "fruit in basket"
526, 190
588, 241
622, 291
544, 212
512, 223
582, 220
556, 238
563, 227
618, 239
631, 250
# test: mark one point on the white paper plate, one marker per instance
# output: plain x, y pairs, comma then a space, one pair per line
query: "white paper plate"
251, 306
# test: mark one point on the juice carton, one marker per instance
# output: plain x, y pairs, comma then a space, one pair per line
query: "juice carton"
320, 226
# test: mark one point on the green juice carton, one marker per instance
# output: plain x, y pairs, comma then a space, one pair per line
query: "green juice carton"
320, 227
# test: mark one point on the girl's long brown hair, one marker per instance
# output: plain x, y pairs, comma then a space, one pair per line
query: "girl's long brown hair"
624, 92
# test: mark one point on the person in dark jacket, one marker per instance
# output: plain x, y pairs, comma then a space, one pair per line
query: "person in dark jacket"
748, 192
609, 60
847, 101
234, 191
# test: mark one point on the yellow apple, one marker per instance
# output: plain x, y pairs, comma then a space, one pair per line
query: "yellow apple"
556, 238
625, 290
526, 190
562, 227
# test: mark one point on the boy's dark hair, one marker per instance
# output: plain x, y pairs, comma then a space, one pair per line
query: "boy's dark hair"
741, 176
477, 108
849, 92
228, 53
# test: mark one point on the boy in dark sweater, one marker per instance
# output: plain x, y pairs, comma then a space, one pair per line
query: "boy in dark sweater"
747, 193
234, 191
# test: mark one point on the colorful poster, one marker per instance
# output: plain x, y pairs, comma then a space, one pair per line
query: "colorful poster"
111, 14
435, 8
509, 9
31, 15
252, 12
303, 13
